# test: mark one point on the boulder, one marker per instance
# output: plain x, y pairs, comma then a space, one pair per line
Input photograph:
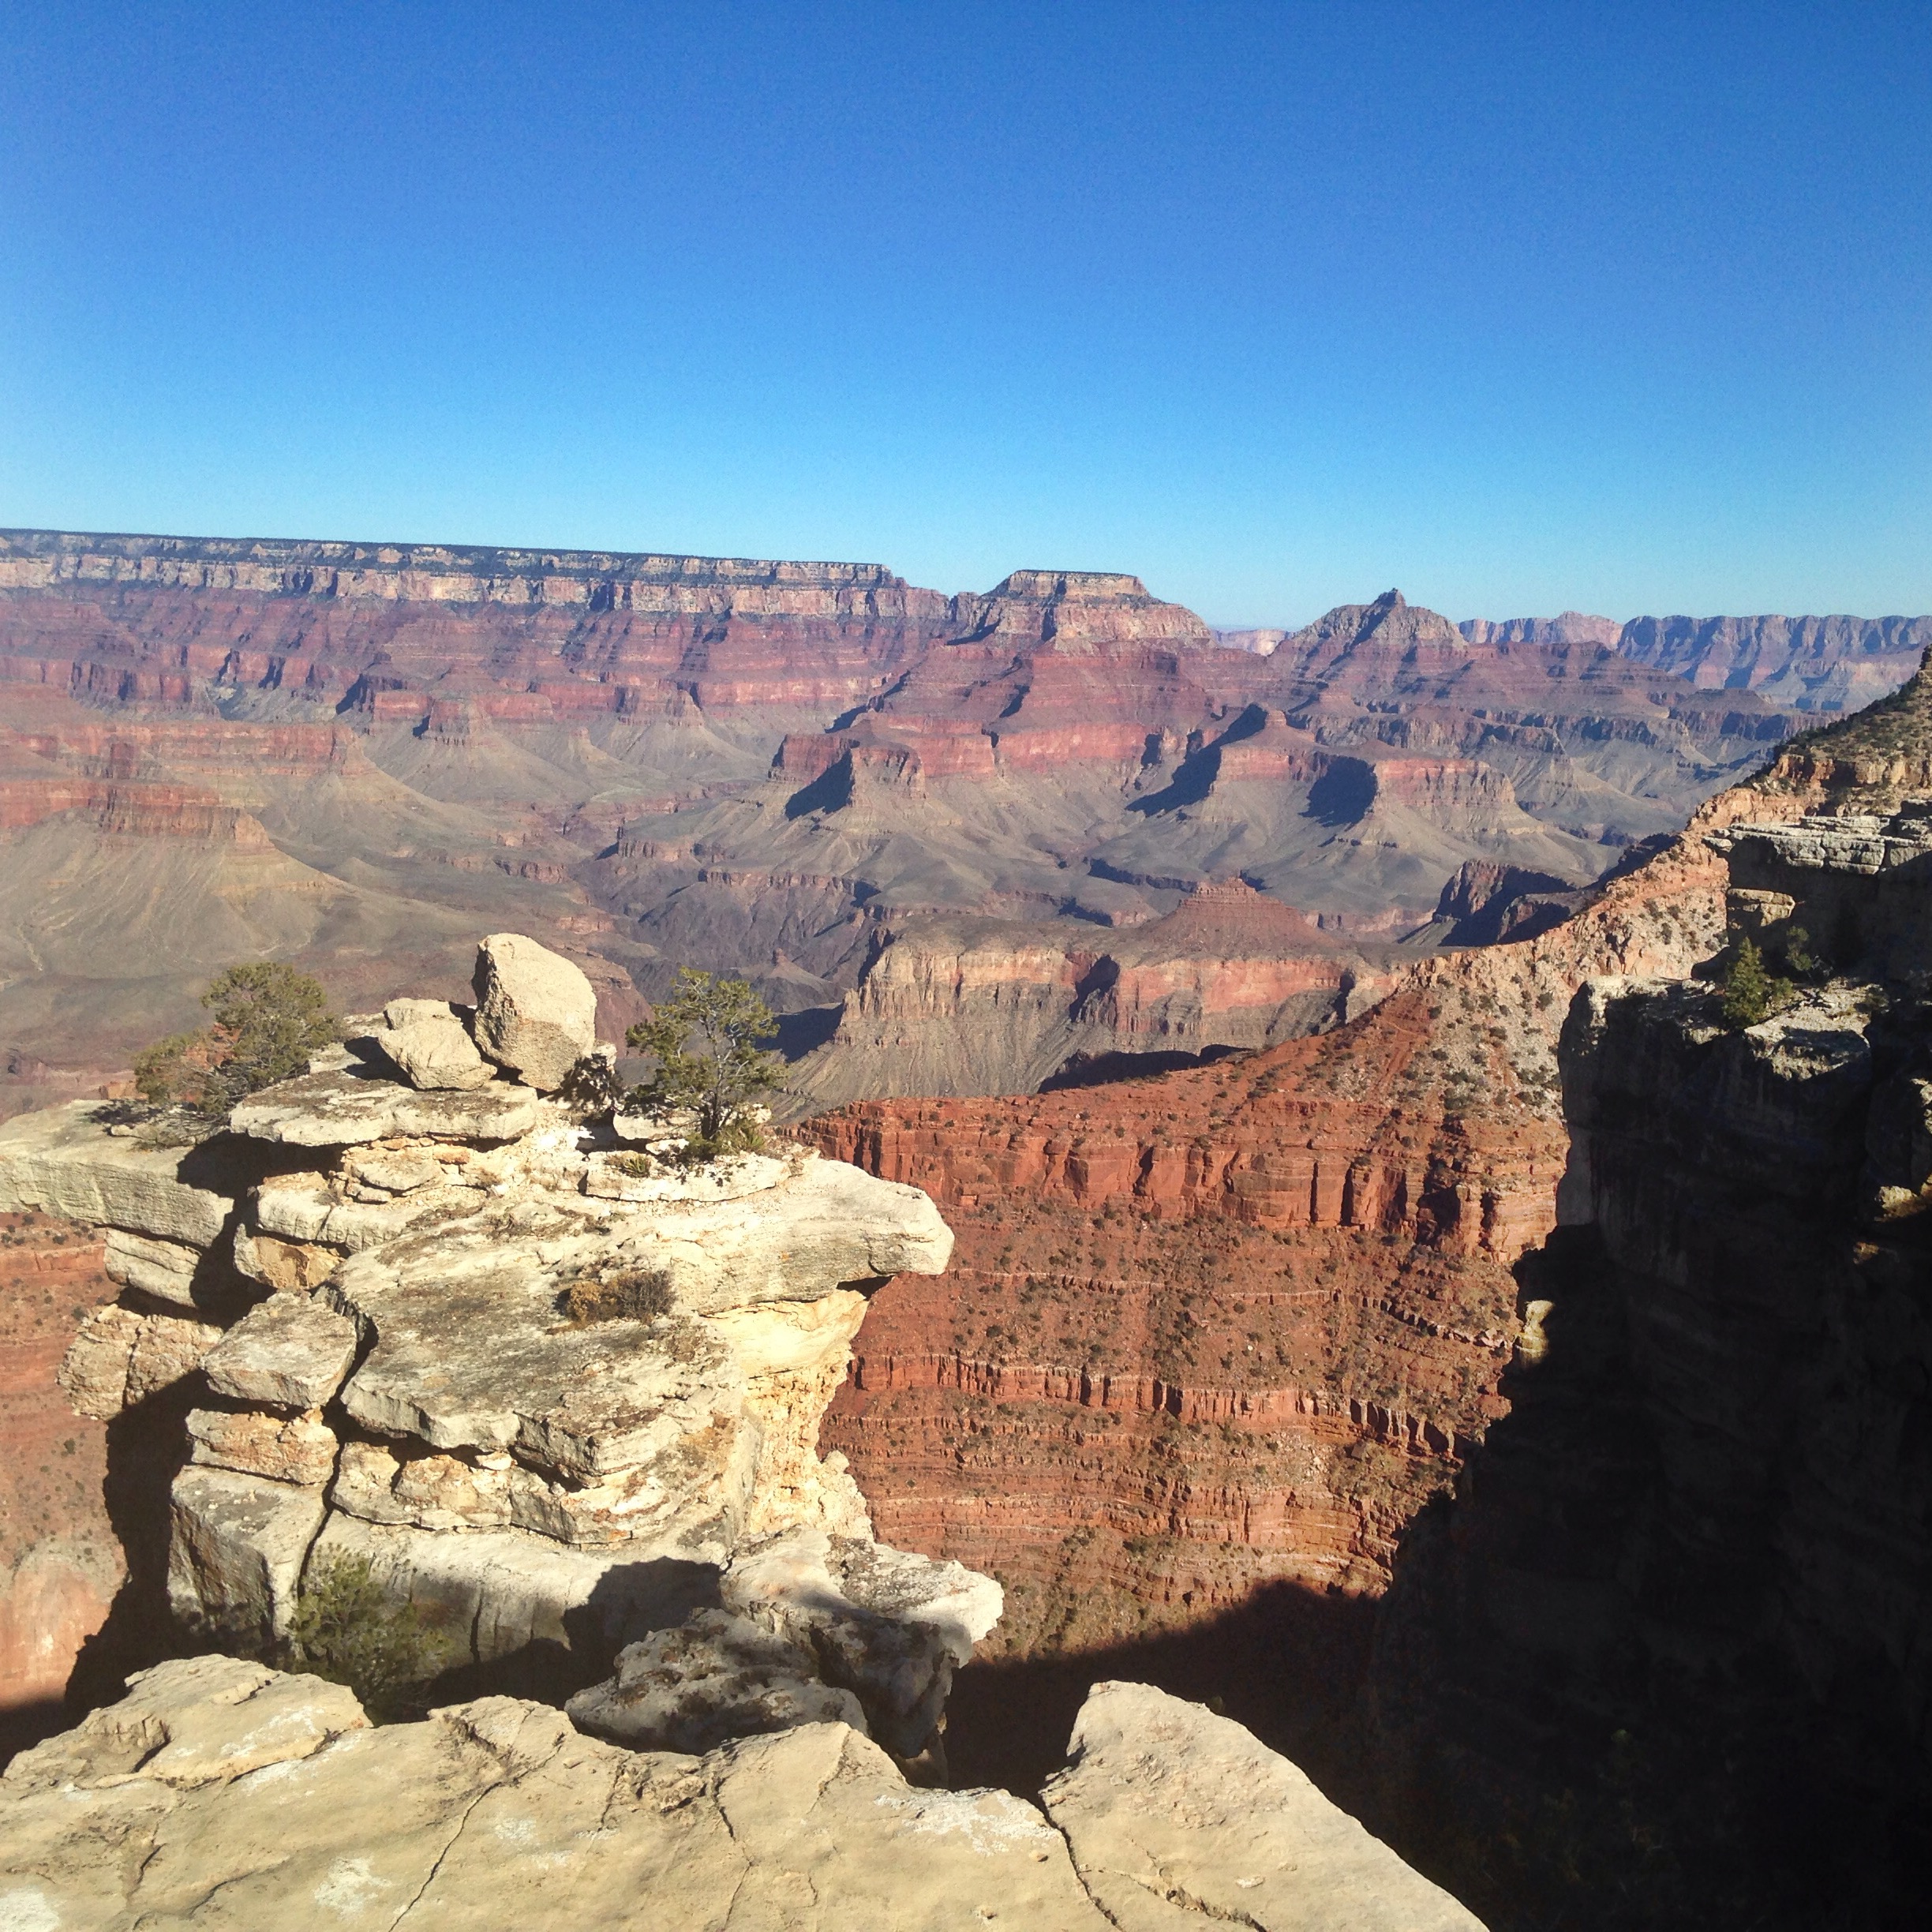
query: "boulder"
806, 1588
289, 1352
119, 1357
431, 1048
93, 1374
284, 1265
714, 1678
1176, 1817
536, 1011
167, 1349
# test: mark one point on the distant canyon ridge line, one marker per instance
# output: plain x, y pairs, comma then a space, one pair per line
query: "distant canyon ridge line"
970, 844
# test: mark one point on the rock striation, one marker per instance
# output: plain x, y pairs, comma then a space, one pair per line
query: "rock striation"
357, 756
1230, 1326
1682, 1600
363, 1291
244, 1798
967, 1006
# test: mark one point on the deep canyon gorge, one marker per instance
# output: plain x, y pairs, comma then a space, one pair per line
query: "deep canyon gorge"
1380, 1292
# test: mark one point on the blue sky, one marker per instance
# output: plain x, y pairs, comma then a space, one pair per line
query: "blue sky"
1627, 309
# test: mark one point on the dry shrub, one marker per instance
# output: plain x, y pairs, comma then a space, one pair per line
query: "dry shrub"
619, 1294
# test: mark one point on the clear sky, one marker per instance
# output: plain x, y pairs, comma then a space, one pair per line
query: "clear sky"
1626, 308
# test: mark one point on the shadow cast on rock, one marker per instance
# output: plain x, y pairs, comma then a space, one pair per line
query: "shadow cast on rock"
1288, 1662
628, 1602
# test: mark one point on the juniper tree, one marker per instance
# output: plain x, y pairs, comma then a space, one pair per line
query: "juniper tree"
708, 1041
268, 1019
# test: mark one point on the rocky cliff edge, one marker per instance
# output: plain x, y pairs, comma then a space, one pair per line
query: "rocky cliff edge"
556, 1397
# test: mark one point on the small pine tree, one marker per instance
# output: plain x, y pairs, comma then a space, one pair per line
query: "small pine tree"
1750, 993
268, 1019
708, 1044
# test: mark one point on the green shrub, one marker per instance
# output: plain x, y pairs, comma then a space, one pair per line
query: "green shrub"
1750, 993
345, 1629
708, 1042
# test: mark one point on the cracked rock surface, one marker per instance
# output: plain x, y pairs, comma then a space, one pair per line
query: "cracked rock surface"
221, 1794
1176, 1816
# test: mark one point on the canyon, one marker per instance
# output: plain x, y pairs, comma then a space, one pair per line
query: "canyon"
1213, 1329
336, 1352
1384, 1303
351, 755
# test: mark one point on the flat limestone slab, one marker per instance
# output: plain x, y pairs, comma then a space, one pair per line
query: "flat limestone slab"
62, 1161
289, 1352
820, 1228
302, 1207
497, 1816
1177, 1818
349, 1107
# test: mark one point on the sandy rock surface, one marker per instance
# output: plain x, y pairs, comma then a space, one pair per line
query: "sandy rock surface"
223, 1794
1176, 1816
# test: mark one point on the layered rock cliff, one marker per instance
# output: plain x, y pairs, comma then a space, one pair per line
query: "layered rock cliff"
413, 1318
1232, 1326
1663, 1659
340, 754
979, 1006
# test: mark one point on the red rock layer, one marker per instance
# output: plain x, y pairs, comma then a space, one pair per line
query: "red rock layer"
1234, 1324
59, 1563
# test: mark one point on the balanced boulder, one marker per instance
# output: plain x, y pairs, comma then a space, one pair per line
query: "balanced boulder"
535, 1012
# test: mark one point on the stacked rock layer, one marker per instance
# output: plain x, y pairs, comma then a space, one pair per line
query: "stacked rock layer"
557, 1394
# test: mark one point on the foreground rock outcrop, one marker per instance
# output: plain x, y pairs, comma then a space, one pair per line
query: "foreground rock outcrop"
223, 1792
551, 1393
